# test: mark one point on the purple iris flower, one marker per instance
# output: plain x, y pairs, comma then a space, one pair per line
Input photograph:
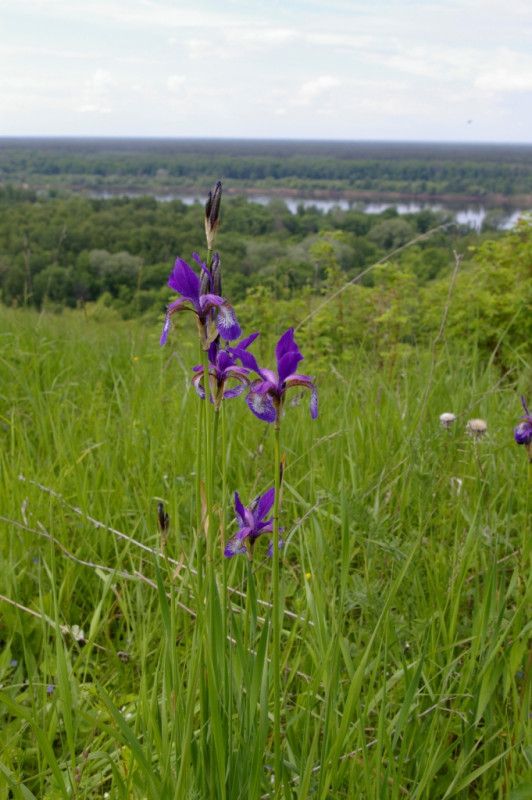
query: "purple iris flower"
185, 281
252, 524
523, 431
266, 396
222, 367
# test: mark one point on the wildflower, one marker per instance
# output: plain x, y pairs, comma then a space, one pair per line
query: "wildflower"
266, 397
447, 419
13, 663
251, 525
523, 431
77, 633
50, 689
222, 367
476, 428
185, 281
212, 212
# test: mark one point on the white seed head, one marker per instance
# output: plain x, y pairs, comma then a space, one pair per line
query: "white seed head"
447, 419
476, 427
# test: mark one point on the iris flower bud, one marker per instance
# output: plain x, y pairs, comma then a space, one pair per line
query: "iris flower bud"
212, 213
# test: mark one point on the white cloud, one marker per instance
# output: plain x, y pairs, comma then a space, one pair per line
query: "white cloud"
176, 83
506, 71
96, 94
313, 89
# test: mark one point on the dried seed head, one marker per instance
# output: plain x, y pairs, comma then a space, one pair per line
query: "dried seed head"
476, 428
447, 419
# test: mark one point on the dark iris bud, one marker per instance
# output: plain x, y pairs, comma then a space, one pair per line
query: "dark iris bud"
212, 212
163, 521
216, 275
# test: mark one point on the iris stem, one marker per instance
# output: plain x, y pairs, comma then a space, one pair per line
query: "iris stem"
207, 452
199, 510
276, 655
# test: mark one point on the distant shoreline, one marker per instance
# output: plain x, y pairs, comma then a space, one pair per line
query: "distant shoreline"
487, 200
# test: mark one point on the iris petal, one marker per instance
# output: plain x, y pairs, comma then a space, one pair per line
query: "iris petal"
262, 406
227, 323
264, 505
184, 281
234, 547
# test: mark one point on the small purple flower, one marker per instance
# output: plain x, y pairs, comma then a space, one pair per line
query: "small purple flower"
13, 663
252, 524
266, 397
222, 367
185, 281
523, 431
50, 689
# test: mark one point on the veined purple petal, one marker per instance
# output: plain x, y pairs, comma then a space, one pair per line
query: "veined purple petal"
270, 378
234, 547
226, 322
261, 405
213, 352
287, 365
523, 432
264, 505
166, 330
197, 384
240, 511
243, 533
266, 527
270, 546
240, 351
303, 380
287, 354
208, 301
243, 344
184, 281
285, 344
224, 361
177, 305
264, 387
229, 394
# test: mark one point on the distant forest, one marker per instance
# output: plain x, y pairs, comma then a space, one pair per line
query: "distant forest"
494, 173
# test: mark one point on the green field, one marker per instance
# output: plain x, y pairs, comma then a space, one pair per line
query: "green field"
405, 581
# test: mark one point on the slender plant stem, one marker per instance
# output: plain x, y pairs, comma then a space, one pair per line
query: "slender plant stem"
199, 510
276, 655
207, 454
224, 463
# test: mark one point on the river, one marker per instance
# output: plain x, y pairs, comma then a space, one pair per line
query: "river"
471, 215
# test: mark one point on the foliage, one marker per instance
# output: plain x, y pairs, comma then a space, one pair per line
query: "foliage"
406, 569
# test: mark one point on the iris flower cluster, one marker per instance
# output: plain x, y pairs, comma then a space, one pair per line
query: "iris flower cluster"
233, 370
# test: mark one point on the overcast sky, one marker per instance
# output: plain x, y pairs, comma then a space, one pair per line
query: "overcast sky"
454, 70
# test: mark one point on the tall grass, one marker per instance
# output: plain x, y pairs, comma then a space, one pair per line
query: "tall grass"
406, 578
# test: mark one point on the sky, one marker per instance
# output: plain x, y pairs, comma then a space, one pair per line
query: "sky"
402, 70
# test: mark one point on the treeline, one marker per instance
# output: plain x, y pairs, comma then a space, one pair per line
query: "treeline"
405, 169
71, 251
112, 259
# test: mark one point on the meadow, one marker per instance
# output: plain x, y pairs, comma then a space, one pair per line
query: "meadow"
404, 583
